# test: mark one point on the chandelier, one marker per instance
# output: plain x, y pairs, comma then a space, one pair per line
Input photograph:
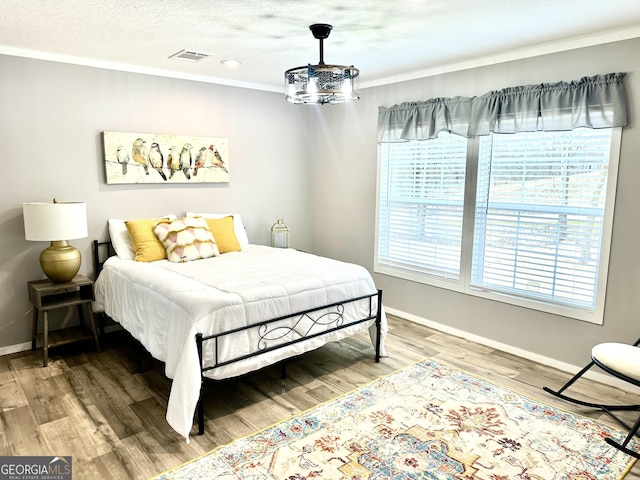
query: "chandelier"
321, 83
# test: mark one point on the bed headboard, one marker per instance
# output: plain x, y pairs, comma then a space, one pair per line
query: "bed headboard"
101, 251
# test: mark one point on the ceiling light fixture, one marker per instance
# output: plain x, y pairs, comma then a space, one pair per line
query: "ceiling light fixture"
230, 63
321, 83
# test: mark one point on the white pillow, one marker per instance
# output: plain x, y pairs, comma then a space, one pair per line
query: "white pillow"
120, 239
238, 226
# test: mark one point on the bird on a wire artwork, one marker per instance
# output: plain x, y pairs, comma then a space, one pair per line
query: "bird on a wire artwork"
154, 158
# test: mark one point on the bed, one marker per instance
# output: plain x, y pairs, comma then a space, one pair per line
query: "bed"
232, 313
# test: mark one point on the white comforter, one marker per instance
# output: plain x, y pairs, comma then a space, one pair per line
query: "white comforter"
164, 304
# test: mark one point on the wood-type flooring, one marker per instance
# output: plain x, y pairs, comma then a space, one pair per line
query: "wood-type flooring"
109, 415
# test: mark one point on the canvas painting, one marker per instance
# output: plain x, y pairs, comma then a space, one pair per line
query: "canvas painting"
154, 158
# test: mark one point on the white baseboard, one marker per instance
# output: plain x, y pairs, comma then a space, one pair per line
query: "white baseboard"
550, 362
23, 347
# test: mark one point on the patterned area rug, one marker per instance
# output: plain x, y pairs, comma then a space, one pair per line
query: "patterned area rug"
427, 421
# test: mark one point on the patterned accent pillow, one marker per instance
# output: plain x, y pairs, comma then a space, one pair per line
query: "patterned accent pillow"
186, 239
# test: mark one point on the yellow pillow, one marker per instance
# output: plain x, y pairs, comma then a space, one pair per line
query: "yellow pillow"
146, 245
224, 234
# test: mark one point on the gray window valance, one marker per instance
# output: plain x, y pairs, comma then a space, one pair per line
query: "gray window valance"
592, 102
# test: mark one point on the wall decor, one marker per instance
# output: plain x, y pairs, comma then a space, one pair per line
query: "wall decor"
153, 158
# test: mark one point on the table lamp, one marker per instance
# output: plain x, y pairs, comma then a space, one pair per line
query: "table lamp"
57, 222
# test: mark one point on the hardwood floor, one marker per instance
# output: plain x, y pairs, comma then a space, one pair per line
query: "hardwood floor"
98, 407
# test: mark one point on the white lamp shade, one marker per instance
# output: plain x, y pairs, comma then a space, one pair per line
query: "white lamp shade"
55, 221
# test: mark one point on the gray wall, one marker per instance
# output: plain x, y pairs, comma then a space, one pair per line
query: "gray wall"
343, 206
51, 119
314, 165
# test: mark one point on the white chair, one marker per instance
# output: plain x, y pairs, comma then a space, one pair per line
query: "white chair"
622, 361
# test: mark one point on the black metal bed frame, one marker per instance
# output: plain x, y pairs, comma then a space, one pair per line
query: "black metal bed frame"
270, 332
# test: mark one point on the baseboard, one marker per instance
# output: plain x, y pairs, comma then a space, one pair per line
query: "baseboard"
23, 347
550, 362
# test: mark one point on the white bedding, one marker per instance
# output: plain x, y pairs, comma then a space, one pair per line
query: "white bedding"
164, 305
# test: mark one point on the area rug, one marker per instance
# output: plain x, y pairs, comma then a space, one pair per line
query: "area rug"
427, 421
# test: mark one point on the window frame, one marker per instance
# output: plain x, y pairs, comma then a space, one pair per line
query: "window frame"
463, 283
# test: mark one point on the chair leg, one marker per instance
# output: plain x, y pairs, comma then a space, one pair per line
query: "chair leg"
576, 377
608, 409
582, 403
623, 447
573, 379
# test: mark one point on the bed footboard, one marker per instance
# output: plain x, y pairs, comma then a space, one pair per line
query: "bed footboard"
271, 333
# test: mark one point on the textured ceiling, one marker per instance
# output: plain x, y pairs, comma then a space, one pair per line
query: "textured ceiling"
386, 40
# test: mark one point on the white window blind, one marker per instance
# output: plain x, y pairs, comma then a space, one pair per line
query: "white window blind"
420, 208
521, 218
540, 208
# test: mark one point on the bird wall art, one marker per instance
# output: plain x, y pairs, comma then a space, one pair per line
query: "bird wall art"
155, 158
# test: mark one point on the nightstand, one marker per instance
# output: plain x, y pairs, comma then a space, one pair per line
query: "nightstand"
46, 295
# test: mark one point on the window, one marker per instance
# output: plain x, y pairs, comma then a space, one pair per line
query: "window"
421, 200
523, 218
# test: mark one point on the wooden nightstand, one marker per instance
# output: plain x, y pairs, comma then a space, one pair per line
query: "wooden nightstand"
46, 295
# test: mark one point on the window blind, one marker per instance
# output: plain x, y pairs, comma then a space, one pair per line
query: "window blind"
540, 207
420, 207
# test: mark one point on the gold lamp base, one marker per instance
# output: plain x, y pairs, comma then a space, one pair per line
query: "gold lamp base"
60, 261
